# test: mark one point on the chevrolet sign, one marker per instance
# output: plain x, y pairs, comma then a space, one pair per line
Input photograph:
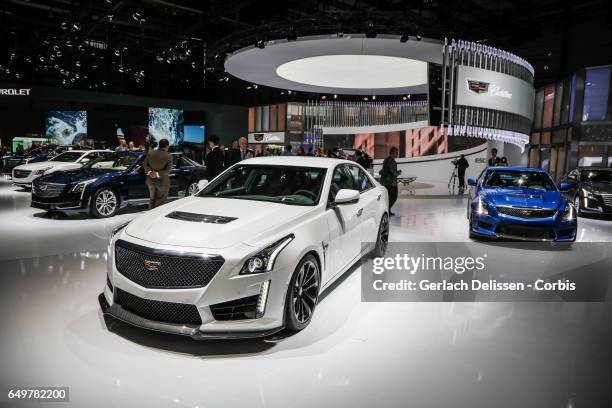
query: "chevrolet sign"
15, 92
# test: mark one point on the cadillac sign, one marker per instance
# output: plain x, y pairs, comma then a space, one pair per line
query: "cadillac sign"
481, 87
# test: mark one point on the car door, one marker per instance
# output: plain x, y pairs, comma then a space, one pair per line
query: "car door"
136, 187
344, 224
175, 177
369, 202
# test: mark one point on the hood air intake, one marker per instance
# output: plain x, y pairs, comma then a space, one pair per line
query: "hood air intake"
205, 218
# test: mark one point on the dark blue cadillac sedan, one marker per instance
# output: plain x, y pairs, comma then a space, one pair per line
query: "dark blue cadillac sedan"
520, 204
114, 180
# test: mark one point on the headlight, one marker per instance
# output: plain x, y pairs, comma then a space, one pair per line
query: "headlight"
263, 261
587, 193
482, 208
81, 186
570, 213
42, 171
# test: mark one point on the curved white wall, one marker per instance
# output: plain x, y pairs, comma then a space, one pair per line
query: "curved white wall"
437, 169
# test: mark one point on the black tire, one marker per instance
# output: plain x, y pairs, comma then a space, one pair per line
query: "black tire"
382, 238
577, 205
104, 203
302, 294
191, 189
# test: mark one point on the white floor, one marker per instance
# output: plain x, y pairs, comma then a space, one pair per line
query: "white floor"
353, 354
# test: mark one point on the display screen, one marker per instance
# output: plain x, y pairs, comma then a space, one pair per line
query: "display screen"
166, 124
194, 134
66, 127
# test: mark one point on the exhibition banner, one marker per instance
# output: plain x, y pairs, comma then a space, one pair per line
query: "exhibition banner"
489, 272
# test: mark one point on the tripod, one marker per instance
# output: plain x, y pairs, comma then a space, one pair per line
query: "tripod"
453, 178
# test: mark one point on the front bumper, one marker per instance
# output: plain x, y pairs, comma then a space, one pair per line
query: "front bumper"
210, 301
116, 311
514, 228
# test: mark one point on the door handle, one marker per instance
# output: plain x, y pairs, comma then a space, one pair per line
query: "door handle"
378, 198
359, 212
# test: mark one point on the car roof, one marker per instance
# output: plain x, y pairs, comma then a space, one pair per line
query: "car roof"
532, 169
594, 168
85, 151
297, 161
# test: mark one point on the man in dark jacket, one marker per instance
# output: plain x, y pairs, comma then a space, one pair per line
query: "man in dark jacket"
462, 165
157, 165
388, 176
239, 153
214, 159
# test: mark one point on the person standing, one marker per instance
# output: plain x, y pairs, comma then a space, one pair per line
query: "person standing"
214, 159
361, 159
240, 152
157, 165
122, 146
462, 165
388, 176
494, 160
300, 151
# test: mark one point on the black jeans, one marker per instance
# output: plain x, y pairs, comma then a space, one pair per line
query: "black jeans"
393, 192
461, 176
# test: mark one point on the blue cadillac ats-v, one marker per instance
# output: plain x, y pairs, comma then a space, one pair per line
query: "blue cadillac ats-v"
520, 204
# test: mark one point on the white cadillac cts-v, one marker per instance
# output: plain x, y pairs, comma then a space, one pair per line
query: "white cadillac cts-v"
250, 253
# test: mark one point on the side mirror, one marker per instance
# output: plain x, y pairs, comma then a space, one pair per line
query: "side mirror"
471, 182
346, 196
202, 184
564, 186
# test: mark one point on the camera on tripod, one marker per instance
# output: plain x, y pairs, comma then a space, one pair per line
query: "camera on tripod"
455, 162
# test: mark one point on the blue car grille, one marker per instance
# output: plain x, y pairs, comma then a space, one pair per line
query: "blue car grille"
525, 232
522, 212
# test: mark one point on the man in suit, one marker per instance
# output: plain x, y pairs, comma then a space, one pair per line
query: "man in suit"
240, 153
214, 159
157, 165
494, 160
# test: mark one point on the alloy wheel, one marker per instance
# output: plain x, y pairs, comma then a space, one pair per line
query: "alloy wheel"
383, 235
192, 189
305, 291
106, 203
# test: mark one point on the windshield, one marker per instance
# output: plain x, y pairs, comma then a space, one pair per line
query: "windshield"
112, 162
67, 157
597, 176
518, 179
287, 185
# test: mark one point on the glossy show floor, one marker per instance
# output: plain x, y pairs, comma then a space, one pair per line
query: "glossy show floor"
353, 354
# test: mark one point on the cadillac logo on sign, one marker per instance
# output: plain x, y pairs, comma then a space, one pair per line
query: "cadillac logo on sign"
478, 86
151, 266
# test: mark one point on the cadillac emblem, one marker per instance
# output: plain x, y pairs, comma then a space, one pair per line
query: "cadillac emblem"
151, 266
478, 87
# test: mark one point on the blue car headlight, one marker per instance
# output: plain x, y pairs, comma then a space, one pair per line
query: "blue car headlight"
482, 208
263, 261
569, 214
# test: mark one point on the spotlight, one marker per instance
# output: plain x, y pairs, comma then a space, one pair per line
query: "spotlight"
260, 44
365, 98
404, 98
255, 86
373, 97
335, 96
404, 38
546, 67
323, 97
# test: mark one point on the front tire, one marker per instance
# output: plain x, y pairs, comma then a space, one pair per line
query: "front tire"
302, 294
104, 203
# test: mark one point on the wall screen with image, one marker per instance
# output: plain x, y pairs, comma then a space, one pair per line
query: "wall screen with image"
66, 127
194, 134
166, 124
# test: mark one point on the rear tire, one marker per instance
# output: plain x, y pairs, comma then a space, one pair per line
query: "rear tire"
104, 203
302, 294
382, 239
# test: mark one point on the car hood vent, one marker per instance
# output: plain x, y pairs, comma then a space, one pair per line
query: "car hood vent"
209, 219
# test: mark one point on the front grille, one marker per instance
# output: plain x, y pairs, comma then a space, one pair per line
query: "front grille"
522, 212
48, 190
167, 312
21, 173
160, 269
525, 231
243, 308
607, 199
